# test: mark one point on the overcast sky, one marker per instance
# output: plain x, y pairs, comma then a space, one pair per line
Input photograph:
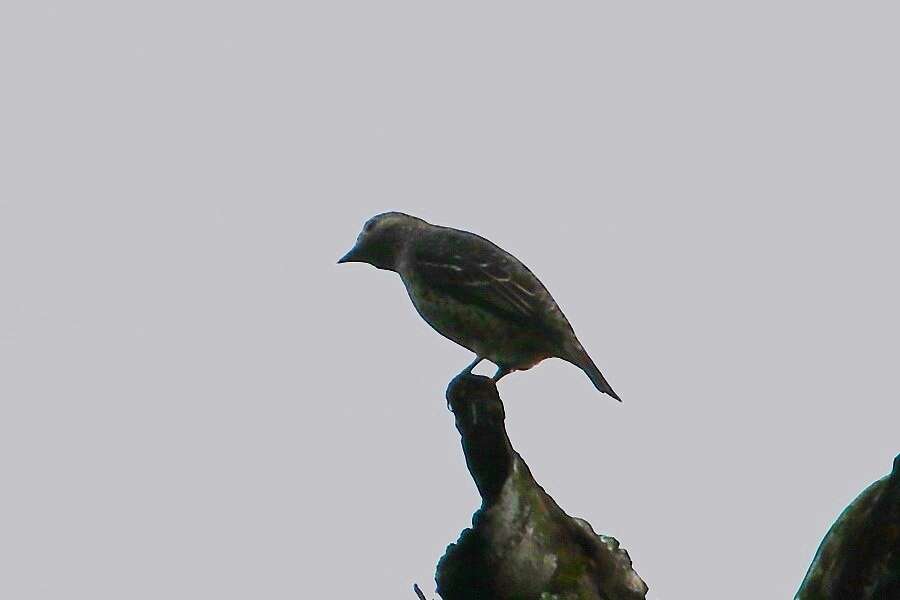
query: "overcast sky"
197, 402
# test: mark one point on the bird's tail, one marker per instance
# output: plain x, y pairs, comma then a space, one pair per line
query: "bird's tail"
578, 356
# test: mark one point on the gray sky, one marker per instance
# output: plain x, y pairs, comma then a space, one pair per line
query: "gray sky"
198, 403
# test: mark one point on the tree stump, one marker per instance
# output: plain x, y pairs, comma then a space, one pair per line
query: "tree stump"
521, 545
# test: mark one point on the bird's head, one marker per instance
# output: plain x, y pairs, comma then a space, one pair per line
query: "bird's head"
382, 240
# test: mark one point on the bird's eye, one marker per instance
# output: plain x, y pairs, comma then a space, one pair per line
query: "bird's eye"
369, 226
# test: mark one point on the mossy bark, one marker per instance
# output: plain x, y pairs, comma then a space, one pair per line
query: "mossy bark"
522, 545
859, 559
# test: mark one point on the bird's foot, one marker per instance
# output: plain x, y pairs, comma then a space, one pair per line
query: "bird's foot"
467, 371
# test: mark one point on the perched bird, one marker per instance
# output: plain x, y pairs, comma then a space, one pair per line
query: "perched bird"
475, 293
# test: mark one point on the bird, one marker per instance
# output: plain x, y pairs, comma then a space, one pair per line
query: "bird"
474, 293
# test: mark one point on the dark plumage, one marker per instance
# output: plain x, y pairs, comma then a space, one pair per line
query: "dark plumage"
475, 293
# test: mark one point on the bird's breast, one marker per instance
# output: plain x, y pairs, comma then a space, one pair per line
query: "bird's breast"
482, 331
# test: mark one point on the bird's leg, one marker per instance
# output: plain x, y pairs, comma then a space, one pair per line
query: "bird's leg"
474, 364
467, 371
501, 372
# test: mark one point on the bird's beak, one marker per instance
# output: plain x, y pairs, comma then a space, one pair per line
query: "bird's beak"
352, 256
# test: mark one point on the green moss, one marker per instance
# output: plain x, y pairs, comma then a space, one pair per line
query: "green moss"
569, 573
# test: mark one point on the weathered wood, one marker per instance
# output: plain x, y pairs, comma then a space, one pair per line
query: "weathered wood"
522, 545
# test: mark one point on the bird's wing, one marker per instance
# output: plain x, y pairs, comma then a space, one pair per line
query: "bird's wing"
476, 271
